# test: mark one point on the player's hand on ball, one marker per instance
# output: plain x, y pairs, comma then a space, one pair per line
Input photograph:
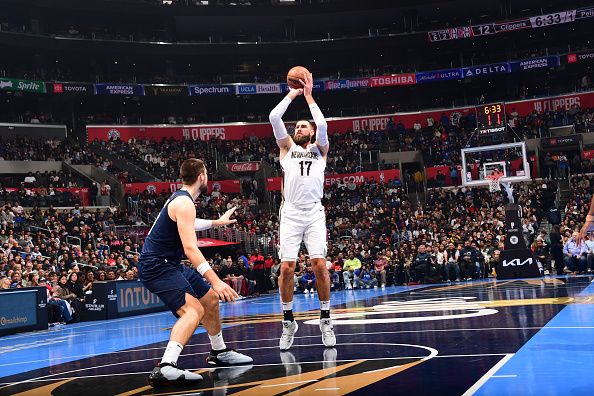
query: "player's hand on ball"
307, 84
293, 93
225, 219
224, 291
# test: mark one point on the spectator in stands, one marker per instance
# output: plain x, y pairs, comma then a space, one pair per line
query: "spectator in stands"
542, 256
421, 266
351, 265
365, 279
452, 258
590, 250
5, 282
575, 255
307, 281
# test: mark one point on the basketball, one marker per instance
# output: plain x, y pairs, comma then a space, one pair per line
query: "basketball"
293, 76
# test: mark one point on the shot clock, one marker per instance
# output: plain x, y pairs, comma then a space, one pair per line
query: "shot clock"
491, 119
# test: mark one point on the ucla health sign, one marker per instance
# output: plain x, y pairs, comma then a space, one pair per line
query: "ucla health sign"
439, 75
247, 89
119, 89
534, 63
485, 70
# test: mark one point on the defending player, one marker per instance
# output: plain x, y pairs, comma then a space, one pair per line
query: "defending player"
302, 216
188, 296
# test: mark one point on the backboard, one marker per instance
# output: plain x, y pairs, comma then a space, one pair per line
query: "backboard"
508, 158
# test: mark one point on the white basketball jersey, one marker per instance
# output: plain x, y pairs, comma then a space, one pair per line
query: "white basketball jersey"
303, 181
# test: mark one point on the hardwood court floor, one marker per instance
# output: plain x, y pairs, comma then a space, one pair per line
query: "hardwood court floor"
521, 337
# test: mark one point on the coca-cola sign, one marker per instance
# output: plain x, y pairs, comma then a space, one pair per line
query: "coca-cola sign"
243, 166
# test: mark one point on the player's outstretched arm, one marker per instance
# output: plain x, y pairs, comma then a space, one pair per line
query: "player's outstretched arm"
587, 223
184, 213
321, 124
283, 139
203, 225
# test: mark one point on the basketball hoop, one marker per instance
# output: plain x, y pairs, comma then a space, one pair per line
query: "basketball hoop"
494, 181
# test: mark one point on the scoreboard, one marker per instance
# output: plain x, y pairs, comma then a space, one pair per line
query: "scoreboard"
534, 22
491, 119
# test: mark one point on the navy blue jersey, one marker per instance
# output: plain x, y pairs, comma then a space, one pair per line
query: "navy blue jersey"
163, 241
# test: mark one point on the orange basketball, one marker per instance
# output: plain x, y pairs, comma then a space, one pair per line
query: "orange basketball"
293, 76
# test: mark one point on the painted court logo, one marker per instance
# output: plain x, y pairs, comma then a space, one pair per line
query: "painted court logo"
413, 311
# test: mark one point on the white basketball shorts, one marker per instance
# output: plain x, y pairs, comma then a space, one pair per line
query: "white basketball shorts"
297, 224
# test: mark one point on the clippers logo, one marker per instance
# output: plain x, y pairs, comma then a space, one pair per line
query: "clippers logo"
216, 186
455, 117
513, 240
113, 134
151, 188
517, 262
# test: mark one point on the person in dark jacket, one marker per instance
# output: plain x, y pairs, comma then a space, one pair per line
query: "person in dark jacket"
557, 249
421, 264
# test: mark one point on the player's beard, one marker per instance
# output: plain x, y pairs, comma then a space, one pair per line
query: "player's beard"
301, 139
204, 189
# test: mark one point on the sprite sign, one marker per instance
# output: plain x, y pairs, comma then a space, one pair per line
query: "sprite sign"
12, 84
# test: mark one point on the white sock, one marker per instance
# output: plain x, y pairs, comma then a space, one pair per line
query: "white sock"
287, 306
172, 352
325, 305
216, 341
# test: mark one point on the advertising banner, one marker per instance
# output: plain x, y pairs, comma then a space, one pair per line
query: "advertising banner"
555, 103
274, 183
23, 310
238, 167
224, 186
209, 90
355, 83
317, 86
485, 70
166, 90
440, 75
70, 88
14, 84
393, 80
587, 56
559, 141
119, 89
133, 299
535, 63
247, 89
239, 131
268, 88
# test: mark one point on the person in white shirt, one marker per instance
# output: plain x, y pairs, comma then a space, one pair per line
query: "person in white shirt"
302, 216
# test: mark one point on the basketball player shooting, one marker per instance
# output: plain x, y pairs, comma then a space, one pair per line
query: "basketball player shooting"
302, 216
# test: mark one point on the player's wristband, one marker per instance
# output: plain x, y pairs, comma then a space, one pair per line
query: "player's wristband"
202, 225
202, 268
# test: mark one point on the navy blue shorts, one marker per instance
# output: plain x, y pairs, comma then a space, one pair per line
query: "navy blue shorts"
171, 281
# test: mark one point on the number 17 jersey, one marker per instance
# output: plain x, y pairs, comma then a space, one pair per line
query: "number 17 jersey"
303, 175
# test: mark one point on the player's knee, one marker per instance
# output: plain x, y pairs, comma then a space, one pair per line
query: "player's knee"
210, 301
287, 271
192, 308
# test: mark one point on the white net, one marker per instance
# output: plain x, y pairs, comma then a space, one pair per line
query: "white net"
494, 185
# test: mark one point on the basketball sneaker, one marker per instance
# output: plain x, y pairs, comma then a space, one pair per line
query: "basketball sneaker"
169, 374
227, 357
289, 330
328, 337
